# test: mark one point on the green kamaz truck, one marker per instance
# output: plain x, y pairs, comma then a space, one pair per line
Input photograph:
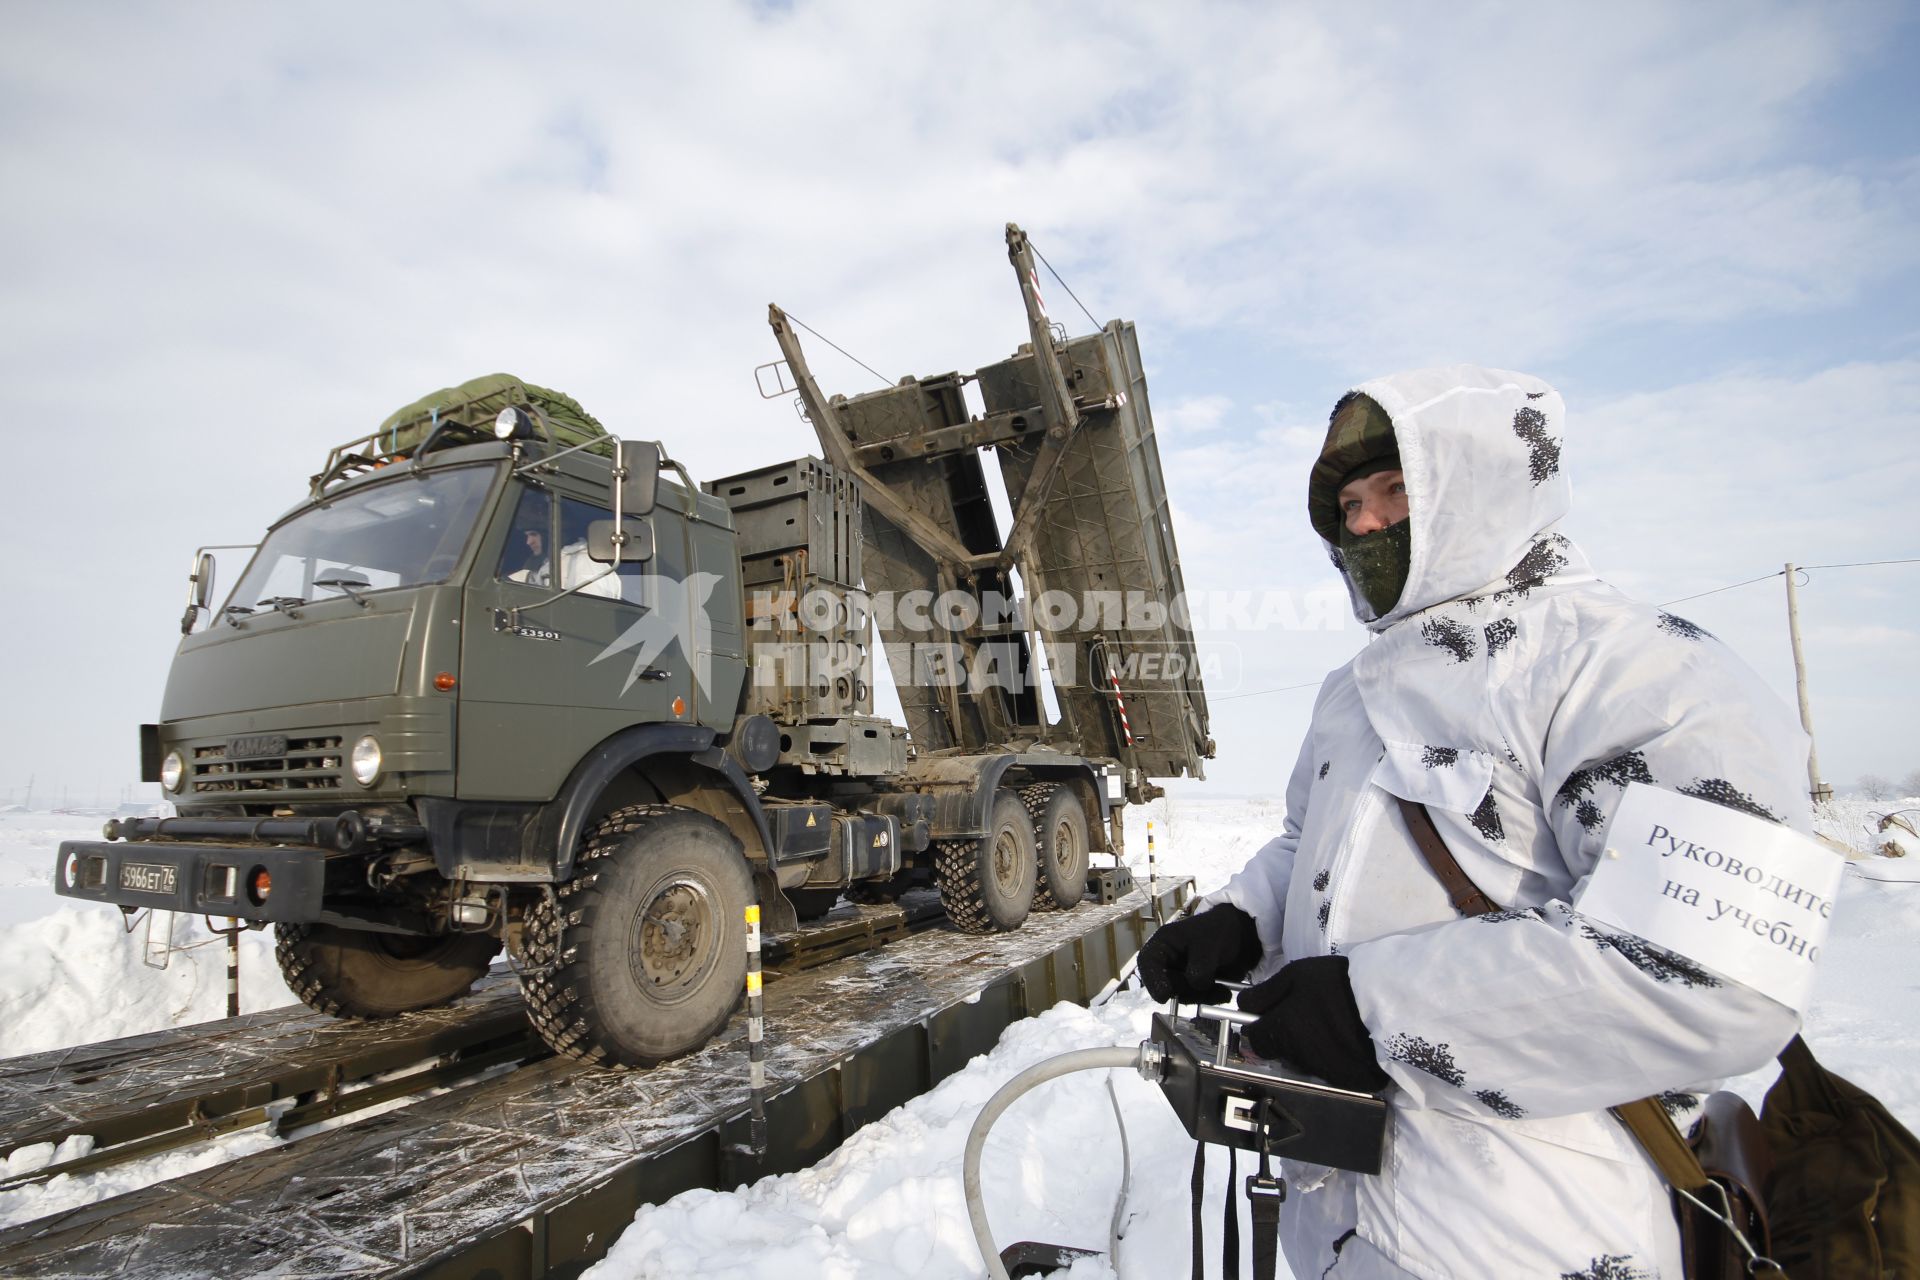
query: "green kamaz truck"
501, 679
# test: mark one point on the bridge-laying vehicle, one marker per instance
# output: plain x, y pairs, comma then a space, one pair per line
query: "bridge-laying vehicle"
496, 680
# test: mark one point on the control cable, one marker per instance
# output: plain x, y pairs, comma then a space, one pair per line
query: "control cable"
1144, 1058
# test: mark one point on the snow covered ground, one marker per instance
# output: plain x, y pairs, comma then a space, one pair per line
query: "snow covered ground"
888, 1203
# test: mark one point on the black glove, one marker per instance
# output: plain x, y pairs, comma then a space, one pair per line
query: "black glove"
1184, 957
1308, 1018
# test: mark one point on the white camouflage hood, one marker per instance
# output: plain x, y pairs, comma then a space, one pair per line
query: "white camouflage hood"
1481, 453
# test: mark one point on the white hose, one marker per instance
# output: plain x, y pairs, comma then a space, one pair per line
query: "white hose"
1009, 1093
1117, 1224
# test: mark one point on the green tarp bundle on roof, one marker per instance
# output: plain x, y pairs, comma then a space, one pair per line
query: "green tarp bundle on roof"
472, 406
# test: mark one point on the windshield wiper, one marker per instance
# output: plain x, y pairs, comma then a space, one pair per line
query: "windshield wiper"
345, 586
278, 604
243, 610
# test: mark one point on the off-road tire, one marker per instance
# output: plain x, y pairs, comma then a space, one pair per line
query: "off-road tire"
355, 973
1060, 840
811, 904
986, 885
644, 957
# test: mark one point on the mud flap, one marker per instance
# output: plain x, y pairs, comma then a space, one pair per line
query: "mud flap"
776, 913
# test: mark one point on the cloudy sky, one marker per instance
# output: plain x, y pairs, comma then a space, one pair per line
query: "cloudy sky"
234, 235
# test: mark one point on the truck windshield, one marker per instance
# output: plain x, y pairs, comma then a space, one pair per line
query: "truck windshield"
400, 533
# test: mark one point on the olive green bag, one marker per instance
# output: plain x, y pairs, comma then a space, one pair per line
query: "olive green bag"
1844, 1198
466, 413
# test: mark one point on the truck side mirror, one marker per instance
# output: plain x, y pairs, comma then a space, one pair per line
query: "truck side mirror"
203, 567
642, 461
199, 591
638, 546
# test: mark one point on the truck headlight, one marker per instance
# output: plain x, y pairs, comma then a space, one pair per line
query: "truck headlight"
173, 771
366, 760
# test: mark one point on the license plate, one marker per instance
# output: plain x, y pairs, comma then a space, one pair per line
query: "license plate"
144, 877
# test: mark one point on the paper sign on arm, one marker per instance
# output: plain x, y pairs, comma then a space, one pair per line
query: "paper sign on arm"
1743, 896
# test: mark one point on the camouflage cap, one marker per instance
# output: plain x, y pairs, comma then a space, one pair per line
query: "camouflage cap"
1360, 440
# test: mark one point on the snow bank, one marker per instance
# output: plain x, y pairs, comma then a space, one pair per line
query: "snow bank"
28, 842
76, 975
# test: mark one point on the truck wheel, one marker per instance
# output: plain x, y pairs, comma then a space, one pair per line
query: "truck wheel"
1060, 832
353, 973
987, 885
651, 958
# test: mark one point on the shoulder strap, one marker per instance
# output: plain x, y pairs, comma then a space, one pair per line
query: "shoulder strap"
1466, 895
1646, 1119
1663, 1142
1229, 1221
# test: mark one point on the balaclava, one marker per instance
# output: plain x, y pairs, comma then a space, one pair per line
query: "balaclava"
1360, 442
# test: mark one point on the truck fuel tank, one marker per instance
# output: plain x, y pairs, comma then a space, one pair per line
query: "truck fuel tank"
865, 845
839, 847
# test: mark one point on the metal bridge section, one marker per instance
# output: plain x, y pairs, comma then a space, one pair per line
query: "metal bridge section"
1072, 429
1102, 535
534, 1173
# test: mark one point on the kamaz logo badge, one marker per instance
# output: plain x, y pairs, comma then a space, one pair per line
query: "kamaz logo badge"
254, 745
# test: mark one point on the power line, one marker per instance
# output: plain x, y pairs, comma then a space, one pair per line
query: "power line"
884, 380
1852, 564
1731, 586
1286, 688
1857, 564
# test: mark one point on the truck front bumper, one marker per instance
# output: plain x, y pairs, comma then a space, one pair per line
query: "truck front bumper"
199, 879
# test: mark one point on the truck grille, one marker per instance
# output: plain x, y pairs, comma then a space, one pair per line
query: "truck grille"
308, 764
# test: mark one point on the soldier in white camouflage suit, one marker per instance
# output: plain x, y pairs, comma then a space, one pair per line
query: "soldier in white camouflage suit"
1515, 695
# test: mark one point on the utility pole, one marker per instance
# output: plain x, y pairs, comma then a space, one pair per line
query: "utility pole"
1816, 788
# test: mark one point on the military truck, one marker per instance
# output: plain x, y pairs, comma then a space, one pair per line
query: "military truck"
496, 681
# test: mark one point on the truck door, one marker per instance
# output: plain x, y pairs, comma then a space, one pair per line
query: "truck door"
539, 689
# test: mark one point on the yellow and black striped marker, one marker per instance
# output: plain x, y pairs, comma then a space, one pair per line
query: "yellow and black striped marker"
756, 1035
